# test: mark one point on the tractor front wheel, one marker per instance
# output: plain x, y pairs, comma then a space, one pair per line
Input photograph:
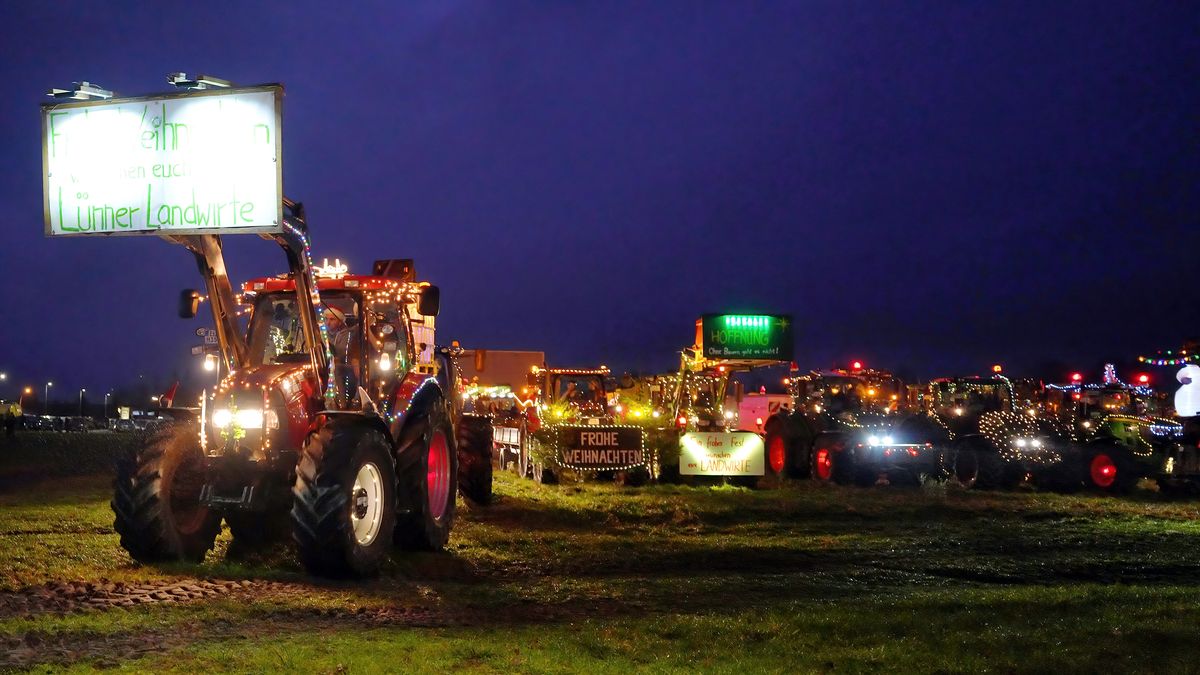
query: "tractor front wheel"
344, 501
156, 500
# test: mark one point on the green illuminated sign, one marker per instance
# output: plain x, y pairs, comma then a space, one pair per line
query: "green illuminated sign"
762, 337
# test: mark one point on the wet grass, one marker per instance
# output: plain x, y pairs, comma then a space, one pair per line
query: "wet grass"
601, 578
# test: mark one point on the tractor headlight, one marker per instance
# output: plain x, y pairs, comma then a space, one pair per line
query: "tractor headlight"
245, 418
1028, 443
221, 418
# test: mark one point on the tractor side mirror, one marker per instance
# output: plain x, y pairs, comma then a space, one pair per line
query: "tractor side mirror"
430, 302
189, 303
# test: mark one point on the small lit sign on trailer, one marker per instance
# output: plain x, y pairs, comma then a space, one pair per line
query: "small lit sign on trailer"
764, 337
191, 162
736, 453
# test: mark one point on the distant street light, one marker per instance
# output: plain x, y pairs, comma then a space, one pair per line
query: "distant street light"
3, 377
106, 395
46, 397
81, 401
24, 392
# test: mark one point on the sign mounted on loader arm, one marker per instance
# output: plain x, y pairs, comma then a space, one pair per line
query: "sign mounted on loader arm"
196, 162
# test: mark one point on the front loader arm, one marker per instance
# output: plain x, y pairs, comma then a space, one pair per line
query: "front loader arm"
294, 242
211, 262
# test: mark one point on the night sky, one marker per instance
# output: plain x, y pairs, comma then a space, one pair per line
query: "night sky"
928, 186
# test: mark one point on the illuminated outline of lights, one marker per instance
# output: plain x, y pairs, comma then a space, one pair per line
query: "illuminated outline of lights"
589, 427
1183, 358
331, 387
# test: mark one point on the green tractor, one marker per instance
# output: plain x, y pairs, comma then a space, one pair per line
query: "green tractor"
1119, 433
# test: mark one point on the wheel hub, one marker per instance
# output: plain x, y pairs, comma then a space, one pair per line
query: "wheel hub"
824, 464
1104, 471
777, 453
360, 503
367, 495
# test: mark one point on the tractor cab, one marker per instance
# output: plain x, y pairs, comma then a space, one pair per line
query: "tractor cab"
969, 397
842, 392
374, 326
571, 394
1099, 401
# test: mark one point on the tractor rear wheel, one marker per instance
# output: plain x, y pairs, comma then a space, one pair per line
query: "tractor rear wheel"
156, 500
474, 442
344, 501
428, 484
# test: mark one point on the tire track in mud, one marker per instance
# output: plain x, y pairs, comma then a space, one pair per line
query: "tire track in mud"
63, 597
39, 647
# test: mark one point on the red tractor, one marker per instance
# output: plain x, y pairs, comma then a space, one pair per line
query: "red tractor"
337, 419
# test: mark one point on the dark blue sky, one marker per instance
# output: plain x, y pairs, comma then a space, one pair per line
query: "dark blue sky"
937, 186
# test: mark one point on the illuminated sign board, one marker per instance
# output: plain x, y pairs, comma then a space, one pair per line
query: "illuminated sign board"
599, 448
765, 337
191, 162
735, 453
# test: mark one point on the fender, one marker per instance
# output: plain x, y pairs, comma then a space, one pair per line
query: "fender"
425, 393
348, 418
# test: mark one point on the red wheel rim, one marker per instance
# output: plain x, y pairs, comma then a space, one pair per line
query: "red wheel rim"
1104, 471
824, 463
776, 453
437, 476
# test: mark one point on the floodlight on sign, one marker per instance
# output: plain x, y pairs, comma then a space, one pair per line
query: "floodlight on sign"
82, 91
182, 81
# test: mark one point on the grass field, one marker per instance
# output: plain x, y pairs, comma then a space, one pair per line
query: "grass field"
603, 579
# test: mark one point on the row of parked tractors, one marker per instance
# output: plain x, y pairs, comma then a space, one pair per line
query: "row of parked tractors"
863, 427
978, 432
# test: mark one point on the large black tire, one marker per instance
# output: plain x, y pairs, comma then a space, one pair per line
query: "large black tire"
979, 468
1108, 467
474, 442
344, 501
424, 525
156, 500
